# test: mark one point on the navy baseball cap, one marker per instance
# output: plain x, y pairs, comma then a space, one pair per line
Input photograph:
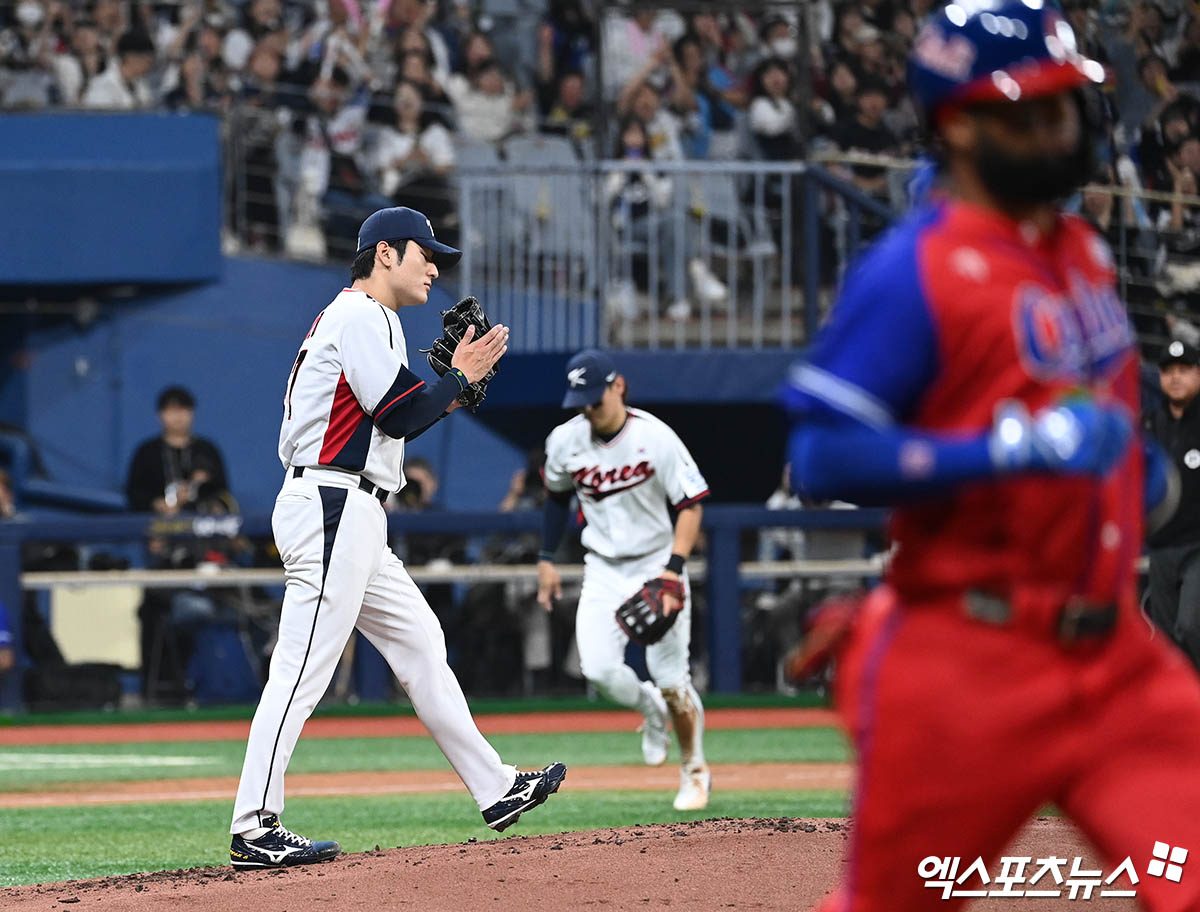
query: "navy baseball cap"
401, 224
588, 375
1179, 353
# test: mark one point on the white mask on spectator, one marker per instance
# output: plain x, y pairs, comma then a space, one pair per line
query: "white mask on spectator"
29, 14
784, 47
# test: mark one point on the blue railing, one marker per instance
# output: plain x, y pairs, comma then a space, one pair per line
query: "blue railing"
723, 523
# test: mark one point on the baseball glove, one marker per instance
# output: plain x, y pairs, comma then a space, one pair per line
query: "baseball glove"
642, 617
827, 628
455, 321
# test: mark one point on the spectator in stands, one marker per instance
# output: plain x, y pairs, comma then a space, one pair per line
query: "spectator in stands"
629, 43
27, 72
866, 132
1187, 54
567, 34
486, 103
415, 68
411, 158
565, 111
1183, 163
772, 116
643, 101
202, 84
329, 161
477, 48
1153, 72
122, 85
112, 21
259, 19
841, 95
708, 117
1085, 23
331, 33
1176, 121
171, 472
82, 60
642, 210
1124, 50
401, 15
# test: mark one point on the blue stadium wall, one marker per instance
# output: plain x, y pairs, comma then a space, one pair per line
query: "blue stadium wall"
91, 392
93, 201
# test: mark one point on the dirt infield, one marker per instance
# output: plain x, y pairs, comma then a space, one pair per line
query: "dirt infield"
395, 726
730, 777
782, 865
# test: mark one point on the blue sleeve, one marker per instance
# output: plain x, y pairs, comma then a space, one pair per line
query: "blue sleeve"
839, 459
863, 379
878, 353
555, 514
6, 638
410, 407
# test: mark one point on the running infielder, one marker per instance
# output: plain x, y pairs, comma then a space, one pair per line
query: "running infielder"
979, 371
626, 466
350, 403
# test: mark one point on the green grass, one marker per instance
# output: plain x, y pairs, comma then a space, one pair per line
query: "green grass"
480, 706
27, 768
53, 844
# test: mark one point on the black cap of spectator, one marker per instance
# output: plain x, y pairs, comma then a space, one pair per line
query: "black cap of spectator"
1178, 352
134, 42
870, 84
176, 395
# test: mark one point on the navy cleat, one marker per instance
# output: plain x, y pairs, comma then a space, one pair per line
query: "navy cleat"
279, 847
529, 790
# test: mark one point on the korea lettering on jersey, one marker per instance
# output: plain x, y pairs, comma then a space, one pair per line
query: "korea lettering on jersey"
624, 484
345, 378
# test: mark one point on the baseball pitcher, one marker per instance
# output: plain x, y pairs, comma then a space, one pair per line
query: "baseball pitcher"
350, 403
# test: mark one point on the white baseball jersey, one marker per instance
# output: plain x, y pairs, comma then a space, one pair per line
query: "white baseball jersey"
346, 374
624, 485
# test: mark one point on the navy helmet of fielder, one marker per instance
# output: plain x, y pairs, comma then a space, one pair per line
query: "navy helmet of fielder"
588, 375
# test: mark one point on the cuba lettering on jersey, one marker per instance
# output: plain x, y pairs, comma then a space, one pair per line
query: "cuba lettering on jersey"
624, 485
346, 377
953, 311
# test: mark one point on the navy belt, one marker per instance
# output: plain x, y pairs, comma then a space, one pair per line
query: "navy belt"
363, 485
1077, 620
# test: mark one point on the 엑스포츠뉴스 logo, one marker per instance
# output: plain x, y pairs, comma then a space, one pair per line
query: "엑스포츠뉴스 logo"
1052, 877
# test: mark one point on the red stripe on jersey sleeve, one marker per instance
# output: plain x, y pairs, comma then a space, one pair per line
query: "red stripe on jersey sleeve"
344, 418
687, 502
383, 410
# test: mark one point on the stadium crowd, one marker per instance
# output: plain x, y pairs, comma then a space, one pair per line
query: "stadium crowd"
339, 104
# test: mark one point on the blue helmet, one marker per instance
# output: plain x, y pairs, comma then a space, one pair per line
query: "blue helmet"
995, 50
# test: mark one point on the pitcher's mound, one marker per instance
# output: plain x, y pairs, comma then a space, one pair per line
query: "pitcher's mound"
775, 864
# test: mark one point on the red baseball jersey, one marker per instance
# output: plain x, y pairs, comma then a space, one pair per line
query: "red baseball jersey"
957, 309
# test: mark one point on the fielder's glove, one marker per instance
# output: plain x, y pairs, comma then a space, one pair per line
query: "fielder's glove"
826, 630
642, 616
455, 321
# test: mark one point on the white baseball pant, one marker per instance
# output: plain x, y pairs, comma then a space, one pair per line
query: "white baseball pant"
341, 574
